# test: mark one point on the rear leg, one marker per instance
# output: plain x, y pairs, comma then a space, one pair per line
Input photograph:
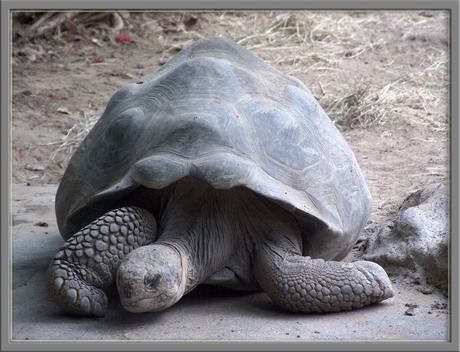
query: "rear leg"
88, 261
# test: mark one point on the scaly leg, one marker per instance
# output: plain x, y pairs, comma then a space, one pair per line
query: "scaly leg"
88, 261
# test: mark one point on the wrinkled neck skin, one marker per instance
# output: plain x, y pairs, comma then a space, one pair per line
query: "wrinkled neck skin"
194, 222
211, 228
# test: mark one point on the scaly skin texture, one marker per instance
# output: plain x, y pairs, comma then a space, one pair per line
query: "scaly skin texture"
202, 230
88, 261
308, 285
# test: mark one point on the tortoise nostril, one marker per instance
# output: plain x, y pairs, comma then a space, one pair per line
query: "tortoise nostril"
151, 281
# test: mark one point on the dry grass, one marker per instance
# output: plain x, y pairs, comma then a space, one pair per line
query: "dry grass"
315, 40
364, 106
70, 142
322, 42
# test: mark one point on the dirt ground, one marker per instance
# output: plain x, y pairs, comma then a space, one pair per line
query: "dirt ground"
60, 80
383, 77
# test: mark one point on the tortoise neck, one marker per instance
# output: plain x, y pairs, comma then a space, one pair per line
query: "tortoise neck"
196, 221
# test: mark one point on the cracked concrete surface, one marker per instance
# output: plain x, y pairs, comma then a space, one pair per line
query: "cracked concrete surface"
206, 314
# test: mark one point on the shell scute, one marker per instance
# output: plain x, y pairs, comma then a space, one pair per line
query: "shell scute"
218, 113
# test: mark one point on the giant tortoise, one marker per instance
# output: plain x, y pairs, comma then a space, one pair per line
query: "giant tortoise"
216, 169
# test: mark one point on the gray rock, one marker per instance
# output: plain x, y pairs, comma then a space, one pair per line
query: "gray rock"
416, 245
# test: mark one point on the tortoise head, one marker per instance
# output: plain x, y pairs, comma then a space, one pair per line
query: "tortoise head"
151, 279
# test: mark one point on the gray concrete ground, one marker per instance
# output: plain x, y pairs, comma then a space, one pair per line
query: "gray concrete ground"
206, 314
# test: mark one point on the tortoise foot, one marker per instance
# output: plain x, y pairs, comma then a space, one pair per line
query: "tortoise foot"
314, 285
303, 284
88, 261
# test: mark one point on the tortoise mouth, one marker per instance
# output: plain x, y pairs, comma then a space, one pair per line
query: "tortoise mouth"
156, 303
150, 279
139, 298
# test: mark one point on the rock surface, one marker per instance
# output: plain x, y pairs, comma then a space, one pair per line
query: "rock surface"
416, 244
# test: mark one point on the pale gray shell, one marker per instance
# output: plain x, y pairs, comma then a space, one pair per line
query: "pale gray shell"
218, 113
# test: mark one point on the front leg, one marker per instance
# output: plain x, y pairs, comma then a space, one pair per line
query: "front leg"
88, 261
299, 283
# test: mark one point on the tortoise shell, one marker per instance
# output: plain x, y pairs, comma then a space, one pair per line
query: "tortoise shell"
218, 113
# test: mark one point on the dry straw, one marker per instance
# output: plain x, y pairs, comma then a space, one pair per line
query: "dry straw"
322, 41
67, 145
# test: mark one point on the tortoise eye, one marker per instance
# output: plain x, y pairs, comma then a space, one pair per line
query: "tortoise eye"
151, 282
